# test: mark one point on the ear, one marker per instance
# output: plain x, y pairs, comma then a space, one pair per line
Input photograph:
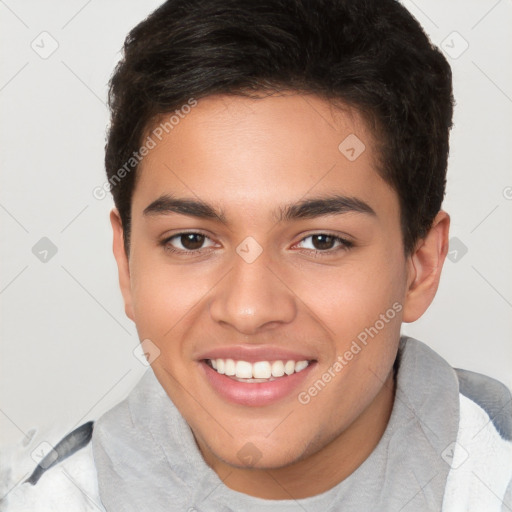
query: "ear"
424, 268
122, 262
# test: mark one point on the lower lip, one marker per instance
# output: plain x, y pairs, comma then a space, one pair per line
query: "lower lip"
254, 394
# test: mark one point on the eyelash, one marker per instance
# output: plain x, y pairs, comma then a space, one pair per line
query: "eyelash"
344, 244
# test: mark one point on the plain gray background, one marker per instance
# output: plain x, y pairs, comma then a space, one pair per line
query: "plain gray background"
66, 345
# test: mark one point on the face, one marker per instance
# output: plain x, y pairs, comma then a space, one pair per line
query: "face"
262, 254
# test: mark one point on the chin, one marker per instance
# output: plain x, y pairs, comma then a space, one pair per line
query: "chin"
260, 453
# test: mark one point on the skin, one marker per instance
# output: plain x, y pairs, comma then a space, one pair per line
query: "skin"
247, 157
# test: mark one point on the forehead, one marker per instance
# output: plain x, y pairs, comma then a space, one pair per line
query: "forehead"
258, 153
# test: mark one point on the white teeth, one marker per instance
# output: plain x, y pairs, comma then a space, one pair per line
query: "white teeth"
277, 369
243, 369
289, 367
229, 367
259, 371
300, 365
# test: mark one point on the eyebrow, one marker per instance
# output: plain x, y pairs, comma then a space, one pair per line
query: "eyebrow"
167, 204
322, 206
304, 209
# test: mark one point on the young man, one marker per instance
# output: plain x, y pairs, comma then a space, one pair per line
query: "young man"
278, 170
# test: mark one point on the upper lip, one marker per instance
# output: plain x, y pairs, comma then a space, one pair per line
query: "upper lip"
254, 353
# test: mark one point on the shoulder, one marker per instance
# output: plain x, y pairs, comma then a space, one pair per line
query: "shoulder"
480, 459
490, 395
64, 479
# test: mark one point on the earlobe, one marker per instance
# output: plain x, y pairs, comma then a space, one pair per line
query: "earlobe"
122, 262
424, 268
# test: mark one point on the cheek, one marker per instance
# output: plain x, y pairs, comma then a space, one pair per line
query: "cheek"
164, 297
348, 298
360, 305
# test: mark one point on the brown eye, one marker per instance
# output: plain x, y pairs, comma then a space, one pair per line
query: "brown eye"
323, 242
187, 242
192, 241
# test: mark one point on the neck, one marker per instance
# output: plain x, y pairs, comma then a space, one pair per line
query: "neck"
322, 470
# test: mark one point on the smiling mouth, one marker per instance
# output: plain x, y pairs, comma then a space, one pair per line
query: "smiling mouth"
260, 371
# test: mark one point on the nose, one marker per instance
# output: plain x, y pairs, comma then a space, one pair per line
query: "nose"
252, 298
